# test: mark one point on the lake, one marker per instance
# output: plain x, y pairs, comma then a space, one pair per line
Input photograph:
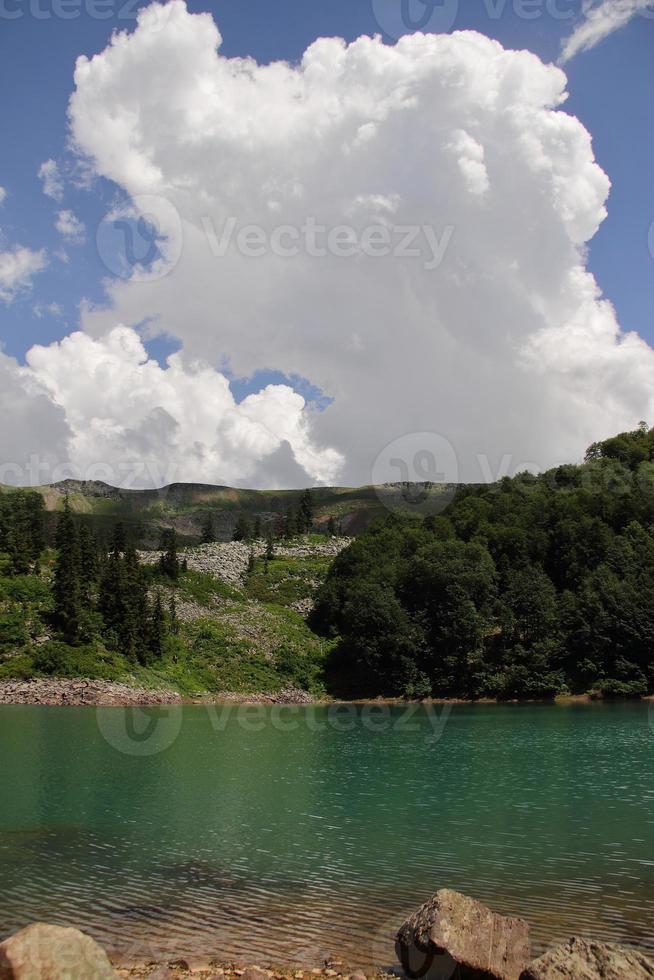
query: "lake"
285, 834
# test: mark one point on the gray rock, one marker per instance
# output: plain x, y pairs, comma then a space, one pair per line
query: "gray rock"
44, 952
452, 935
581, 959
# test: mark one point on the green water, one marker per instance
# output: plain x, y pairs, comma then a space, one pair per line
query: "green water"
279, 835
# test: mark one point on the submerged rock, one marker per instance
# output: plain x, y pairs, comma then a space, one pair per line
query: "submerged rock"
44, 952
452, 935
581, 959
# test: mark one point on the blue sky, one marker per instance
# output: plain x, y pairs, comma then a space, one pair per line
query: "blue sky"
611, 91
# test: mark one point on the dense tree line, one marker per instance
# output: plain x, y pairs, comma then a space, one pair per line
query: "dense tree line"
104, 593
523, 588
295, 521
22, 530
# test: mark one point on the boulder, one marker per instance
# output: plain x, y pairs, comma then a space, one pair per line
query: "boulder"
581, 959
453, 936
44, 952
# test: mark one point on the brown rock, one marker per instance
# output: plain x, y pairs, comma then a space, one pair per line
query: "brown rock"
254, 973
161, 973
581, 959
44, 952
453, 935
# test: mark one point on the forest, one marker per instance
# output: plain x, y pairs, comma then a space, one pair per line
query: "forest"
527, 588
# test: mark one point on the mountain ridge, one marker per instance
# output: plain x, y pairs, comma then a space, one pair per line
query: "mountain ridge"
186, 506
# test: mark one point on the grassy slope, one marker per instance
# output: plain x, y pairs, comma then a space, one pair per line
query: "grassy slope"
246, 640
185, 506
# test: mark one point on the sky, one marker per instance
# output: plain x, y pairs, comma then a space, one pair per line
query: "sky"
520, 331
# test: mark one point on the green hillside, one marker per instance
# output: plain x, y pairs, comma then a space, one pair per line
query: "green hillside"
185, 506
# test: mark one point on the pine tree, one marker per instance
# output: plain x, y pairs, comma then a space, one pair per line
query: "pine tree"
270, 546
111, 592
66, 584
133, 629
173, 618
251, 562
208, 532
290, 525
18, 537
169, 563
119, 538
256, 531
331, 527
242, 531
89, 565
305, 516
157, 628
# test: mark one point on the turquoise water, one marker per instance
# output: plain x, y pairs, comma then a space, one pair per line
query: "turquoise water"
285, 835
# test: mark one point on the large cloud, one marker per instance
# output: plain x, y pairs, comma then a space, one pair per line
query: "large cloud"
504, 346
34, 435
124, 419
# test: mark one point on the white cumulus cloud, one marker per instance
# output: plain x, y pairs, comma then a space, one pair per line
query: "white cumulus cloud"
405, 226
18, 266
70, 227
131, 422
53, 184
3, 195
599, 21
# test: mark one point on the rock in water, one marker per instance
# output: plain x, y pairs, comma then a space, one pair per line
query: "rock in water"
581, 959
43, 952
455, 936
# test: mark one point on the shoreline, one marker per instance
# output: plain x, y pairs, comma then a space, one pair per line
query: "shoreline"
86, 692
213, 969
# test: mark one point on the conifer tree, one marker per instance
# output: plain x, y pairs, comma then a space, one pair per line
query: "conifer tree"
270, 546
290, 525
208, 532
169, 563
173, 618
305, 516
89, 565
119, 538
256, 531
157, 630
242, 531
111, 593
133, 628
66, 584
